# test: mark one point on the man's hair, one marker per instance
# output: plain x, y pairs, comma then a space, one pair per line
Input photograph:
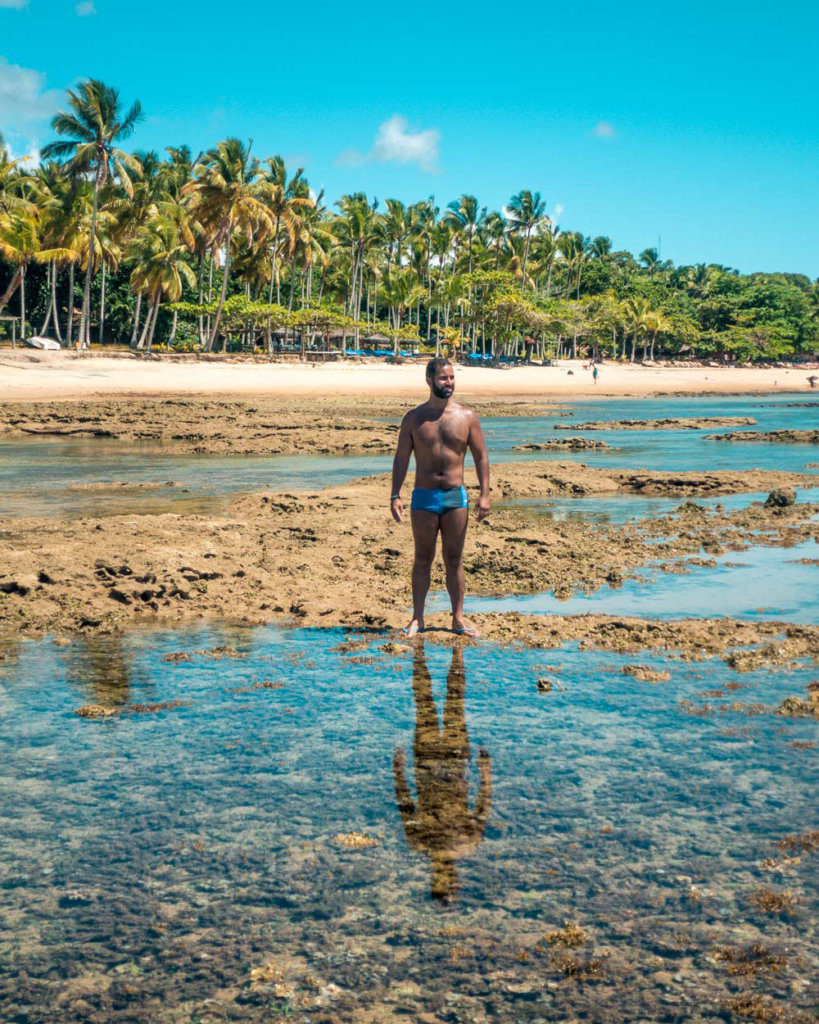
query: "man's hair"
434, 365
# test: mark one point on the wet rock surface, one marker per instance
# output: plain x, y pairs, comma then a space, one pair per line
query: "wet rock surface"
261, 426
670, 423
769, 436
262, 561
563, 443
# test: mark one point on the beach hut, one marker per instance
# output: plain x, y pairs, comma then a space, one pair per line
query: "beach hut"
14, 321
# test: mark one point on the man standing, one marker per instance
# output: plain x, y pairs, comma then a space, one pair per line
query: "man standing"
439, 433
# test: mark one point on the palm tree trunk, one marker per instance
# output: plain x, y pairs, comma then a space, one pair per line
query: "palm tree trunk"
49, 269
135, 325
85, 315
23, 305
200, 286
633, 345
153, 322
172, 336
144, 335
102, 304
54, 305
69, 327
223, 294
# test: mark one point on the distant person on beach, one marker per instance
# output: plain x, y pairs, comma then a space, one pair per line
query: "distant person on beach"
812, 381
439, 433
594, 374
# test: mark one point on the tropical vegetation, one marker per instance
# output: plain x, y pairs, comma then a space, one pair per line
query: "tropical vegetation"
231, 251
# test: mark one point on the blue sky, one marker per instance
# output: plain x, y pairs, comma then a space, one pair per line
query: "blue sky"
691, 121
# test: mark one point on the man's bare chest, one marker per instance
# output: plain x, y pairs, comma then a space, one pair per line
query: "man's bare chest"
446, 432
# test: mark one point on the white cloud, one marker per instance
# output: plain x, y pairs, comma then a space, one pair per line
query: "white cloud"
604, 130
26, 106
396, 143
85, 8
14, 5
555, 215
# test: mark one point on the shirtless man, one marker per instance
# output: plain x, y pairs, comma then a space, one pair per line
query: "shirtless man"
439, 433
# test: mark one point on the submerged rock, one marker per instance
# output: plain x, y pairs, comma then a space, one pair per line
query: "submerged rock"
97, 711
646, 674
781, 497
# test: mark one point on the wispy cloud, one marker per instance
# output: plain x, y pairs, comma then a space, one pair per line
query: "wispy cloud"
85, 8
14, 5
396, 143
26, 105
604, 130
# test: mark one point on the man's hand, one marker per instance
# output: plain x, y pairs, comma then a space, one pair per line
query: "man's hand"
482, 508
397, 509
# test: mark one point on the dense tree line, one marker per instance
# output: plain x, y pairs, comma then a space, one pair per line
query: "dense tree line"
229, 250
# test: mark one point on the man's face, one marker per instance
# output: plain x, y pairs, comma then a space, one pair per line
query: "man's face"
443, 383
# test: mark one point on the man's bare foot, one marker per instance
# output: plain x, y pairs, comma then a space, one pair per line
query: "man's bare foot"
412, 628
462, 628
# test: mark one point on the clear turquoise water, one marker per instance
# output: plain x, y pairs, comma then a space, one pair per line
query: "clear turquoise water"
675, 450
36, 475
759, 583
149, 862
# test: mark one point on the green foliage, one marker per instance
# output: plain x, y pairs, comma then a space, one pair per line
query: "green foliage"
210, 244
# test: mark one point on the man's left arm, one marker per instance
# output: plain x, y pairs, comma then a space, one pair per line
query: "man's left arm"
477, 446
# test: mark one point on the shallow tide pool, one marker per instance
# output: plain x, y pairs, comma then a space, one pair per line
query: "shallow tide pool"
299, 825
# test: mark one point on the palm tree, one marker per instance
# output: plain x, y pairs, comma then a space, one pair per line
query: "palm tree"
284, 199
90, 131
354, 229
638, 311
466, 217
600, 247
227, 198
527, 211
161, 268
20, 244
401, 292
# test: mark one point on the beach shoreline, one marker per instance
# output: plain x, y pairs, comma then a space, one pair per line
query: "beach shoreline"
31, 375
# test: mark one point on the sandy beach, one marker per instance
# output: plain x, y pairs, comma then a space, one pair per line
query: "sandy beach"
27, 374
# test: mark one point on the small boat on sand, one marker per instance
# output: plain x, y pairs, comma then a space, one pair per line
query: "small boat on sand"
47, 344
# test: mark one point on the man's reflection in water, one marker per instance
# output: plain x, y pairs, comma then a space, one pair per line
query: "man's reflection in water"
439, 822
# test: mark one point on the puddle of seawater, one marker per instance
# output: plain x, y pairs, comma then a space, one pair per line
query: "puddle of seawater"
758, 583
37, 476
670, 450
44, 477
150, 861
621, 508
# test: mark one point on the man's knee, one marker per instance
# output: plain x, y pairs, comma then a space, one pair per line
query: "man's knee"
452, 560
424, 560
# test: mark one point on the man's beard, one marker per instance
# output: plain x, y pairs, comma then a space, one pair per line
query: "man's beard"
444, 392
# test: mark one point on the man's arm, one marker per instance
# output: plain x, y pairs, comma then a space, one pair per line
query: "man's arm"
477, 446
400, 465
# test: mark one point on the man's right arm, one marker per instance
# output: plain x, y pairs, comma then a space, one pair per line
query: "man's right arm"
400, 465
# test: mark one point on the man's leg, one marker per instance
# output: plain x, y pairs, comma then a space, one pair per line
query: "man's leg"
453, 535
425, 535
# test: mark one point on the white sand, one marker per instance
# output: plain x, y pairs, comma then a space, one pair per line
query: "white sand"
26, 374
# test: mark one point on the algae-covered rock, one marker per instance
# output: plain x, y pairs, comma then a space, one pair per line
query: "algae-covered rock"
781, 497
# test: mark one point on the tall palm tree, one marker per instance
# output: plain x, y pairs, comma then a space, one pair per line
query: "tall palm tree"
90, 130
284, 198
227, 198
638, 312
355, 230
21, 244
161, 268
466, 217
527, 211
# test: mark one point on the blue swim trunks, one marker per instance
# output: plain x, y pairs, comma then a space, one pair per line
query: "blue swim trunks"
434, 499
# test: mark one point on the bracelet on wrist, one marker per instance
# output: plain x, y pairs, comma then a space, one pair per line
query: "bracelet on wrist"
394, 496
